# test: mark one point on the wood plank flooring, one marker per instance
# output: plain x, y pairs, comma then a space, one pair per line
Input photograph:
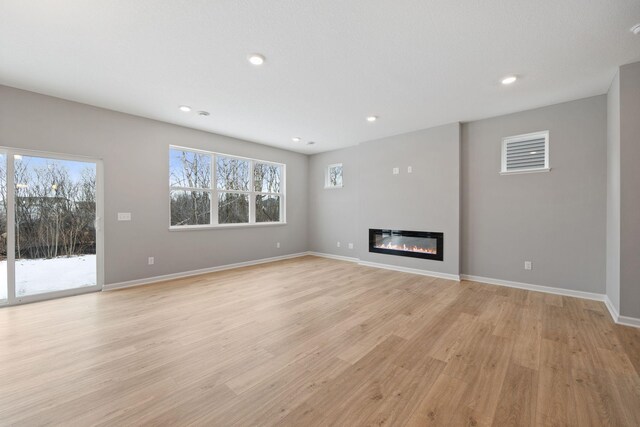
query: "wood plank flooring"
312, 341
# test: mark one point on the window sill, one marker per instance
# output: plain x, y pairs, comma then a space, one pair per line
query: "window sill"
223, 226
335, 187
525, 171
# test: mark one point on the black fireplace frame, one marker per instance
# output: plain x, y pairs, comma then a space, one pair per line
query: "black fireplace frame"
427, 234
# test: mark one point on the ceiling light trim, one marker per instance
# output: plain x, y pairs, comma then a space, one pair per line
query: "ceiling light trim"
256, 59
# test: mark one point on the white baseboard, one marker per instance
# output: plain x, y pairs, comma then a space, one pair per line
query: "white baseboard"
612, 309
621, 320
148, 280
388, 266
537, 288
628, 321
411, 270
331, 256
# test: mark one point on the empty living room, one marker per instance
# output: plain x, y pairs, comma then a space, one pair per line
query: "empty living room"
320, 213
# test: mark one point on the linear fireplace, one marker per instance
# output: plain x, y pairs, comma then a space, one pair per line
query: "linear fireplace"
416, 244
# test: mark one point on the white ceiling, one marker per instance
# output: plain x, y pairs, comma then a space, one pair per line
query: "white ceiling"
330, 63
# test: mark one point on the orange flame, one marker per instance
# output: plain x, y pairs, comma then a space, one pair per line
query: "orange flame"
408, 248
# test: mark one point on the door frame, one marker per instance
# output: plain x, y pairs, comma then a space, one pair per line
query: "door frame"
11, 229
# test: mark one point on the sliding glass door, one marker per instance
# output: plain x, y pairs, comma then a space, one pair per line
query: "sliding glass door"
49, 215
4, 282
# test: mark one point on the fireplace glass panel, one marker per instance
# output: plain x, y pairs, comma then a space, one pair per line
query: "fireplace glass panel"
398, 242
416, 244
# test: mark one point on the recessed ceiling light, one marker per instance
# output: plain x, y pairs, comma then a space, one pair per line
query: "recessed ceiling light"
310, 143
296, 139
203, 113
636, 29
372, 119
185, 108
508, 80
256, 59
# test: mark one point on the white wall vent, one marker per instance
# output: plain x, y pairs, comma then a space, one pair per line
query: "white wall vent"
525, 153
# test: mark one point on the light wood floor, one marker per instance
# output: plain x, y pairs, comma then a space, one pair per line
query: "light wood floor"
312, 341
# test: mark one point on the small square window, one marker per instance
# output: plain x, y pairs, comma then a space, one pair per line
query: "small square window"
334, 176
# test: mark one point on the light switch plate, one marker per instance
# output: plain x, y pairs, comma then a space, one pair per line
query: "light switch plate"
396, 171
124, 216
409, 169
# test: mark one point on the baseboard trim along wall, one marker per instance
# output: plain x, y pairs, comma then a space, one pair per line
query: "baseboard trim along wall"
164, 278
621, 320
538, 288
331, 256
388, 266
411, 270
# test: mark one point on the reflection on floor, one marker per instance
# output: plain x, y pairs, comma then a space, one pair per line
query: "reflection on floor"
312, 341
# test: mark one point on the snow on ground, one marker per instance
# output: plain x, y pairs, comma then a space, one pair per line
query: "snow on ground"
35, 276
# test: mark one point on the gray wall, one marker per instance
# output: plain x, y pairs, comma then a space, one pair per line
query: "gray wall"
630, 190
613, 193
427, 199
333, 213
557, 219
135, 155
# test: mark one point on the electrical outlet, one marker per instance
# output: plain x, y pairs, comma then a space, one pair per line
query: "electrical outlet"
396, 171
124, 216
151, 260
350, 245
338, 244
409, 169
278, 245
527, 265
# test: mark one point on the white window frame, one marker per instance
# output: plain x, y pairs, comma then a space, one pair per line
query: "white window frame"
327, 173
525, 137
214, 192
12, 298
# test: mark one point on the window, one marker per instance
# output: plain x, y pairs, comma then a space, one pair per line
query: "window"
267, 178
525, 153
211, 189
333, 178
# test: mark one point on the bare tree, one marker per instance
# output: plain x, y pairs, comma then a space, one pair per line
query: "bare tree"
267, 179
3, 207
190, 175
232, 176
55, 212
193, 171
